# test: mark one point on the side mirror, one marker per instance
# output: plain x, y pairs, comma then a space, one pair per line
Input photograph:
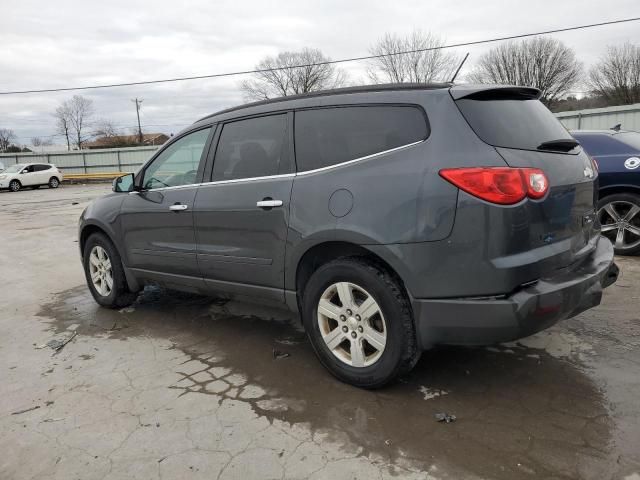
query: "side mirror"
123, 183
24, 171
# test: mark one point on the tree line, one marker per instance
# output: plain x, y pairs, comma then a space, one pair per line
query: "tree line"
541, 62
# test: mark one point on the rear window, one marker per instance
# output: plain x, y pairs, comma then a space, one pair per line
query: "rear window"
328, 136
510, 123
630, 138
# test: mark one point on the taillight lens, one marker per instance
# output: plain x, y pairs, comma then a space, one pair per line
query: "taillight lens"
504, 186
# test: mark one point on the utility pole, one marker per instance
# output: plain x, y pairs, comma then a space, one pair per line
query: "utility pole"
138, 102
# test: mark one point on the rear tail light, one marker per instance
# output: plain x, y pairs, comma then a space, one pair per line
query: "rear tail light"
504, 186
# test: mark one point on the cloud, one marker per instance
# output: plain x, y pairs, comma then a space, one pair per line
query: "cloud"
68, 43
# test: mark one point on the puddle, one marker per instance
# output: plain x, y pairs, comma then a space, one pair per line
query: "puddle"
527, 414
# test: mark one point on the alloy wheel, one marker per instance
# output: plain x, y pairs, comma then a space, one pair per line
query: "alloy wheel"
351, 324
620, 222
100, 271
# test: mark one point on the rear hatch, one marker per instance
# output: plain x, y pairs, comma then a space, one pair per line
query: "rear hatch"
526, 134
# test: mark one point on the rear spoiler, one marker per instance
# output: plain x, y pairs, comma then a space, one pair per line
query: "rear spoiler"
494, 92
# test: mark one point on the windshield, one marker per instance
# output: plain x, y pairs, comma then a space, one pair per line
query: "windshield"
14, 168
513, 123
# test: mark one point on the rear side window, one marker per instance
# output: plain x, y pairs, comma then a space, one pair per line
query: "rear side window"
256, 147
512, 123
327, 136
40, 168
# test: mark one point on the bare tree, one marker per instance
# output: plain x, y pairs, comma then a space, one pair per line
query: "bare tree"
80, 112
292, 73
63, 123
430, 63
542, 62
6, 138
40, 142
105, 128
617, 75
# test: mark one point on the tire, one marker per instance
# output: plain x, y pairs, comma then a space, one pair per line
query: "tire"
393, 319
118, 294
54, 182
15, 185
619, 216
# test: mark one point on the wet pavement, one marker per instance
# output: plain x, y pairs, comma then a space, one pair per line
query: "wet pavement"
183, 386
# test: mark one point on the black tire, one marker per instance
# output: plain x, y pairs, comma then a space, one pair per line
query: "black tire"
401, 351
622, 202
120, 295
15, 185
54, 182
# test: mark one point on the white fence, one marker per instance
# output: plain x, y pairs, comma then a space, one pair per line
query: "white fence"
86, 161
602, 118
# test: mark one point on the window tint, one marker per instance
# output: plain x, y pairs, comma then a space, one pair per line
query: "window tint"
327, 136
597, 145
40, 168
178, 163
255, 147
522, 124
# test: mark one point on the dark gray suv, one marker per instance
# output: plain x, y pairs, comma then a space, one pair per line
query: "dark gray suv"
392, 217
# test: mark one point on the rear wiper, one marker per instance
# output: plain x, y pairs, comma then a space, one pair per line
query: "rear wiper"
561, 145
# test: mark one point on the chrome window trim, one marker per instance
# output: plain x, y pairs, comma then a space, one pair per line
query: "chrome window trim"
360, 159
284, 175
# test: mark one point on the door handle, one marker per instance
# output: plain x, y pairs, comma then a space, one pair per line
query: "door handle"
269, 203
178, 207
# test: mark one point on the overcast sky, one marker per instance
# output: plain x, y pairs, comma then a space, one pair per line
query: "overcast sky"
70, 43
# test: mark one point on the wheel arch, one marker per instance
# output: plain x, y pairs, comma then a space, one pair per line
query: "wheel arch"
616, 189
324, 252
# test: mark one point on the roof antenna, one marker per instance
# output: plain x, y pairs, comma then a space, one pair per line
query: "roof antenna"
459, 67
616, 128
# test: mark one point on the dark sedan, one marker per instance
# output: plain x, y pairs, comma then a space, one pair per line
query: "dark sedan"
617, 154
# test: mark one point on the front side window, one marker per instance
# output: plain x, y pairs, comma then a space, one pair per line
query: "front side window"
328, 136
177, 164
256, 147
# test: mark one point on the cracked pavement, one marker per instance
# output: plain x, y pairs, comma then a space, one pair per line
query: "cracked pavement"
184, 386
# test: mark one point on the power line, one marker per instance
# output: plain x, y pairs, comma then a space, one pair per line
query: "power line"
328, 62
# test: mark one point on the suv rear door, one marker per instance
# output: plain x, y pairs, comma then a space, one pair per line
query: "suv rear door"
241, 215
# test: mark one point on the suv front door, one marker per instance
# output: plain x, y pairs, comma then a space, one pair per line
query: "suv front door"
157, 221
241, 216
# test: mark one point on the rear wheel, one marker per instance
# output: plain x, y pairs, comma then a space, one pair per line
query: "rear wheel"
359, 322
15, 185
619, 216
105, 274
54, 182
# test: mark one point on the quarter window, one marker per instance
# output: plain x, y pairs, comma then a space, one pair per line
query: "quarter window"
327, 136
178, 163
256, 147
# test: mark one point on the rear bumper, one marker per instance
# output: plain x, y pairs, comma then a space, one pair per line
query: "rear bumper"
483, 321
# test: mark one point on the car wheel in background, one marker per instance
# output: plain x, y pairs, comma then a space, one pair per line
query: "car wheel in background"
54, 182
15, 185
105, 274
619, 217
359, 321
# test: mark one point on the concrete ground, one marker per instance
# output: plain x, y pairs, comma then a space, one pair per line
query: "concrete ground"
185, 387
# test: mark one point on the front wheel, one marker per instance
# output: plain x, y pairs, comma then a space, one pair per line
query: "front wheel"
54, 182
619, 217
15, 185
105, 274
359, 321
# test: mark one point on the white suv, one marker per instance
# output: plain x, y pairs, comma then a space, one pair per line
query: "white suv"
31, 175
